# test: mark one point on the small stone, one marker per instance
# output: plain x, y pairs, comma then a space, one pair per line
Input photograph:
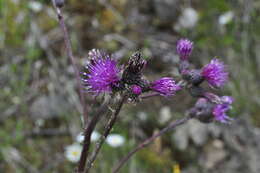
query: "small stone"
165, 115
198, 132
166, 10
181, 137
47, 107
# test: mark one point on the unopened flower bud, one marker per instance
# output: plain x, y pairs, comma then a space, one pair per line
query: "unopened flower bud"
166, 86
184, 48
137, 90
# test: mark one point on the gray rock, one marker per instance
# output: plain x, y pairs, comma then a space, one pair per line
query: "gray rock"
198, 132
46, 107
213, 154
214, 130
181, 138
166, 10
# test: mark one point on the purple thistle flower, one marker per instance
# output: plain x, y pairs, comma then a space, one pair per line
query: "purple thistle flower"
215, 73
166, 86
102, 72
227, 99
219, 111
184, 48
136, 89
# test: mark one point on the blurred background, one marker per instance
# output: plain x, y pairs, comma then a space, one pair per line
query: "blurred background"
40, 122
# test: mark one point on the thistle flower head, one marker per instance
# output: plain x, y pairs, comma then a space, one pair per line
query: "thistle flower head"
166, 86
219, 111
102, 72
215, 73
184, 48
136, 89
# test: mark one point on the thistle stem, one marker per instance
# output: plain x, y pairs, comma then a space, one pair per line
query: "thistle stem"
72, 59
108, 128
149, 95
87, 136
171, 126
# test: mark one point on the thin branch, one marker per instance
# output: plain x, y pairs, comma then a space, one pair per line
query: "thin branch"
108, 128
72, 59
46, 133
146, 96
171, 126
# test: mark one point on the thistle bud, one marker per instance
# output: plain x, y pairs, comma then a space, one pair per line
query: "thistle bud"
184, 48
137, 90
165, 86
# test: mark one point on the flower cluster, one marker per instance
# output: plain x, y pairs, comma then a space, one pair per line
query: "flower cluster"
103, 75
209, 106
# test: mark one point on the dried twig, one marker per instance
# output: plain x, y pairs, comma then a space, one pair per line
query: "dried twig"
171, 126
108, 128
52, 132
87, 136
57, 5
149, 95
